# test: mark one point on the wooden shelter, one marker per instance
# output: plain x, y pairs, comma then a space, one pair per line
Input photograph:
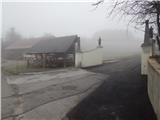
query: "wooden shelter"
17, 50
54, 52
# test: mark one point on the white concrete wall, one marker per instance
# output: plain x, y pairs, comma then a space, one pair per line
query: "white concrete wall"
154, 85
146, 53
89, 58
78, 59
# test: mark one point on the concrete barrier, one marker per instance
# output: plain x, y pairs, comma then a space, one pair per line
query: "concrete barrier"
154, 85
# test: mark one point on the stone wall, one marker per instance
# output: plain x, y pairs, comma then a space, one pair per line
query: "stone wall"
154, 85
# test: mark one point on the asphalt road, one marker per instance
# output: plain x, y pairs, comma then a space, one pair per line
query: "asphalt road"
47, 95
123, 96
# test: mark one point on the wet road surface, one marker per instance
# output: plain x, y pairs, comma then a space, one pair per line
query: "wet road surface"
123, 96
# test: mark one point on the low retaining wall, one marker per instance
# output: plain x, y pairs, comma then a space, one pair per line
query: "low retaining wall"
154, 85
89, 58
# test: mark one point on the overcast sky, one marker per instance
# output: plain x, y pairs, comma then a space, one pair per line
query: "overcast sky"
57, 18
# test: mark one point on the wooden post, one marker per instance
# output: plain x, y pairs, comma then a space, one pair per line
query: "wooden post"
64, 60
36, 55
44, 60
28, 63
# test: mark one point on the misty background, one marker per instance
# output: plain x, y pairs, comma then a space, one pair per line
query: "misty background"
35, 19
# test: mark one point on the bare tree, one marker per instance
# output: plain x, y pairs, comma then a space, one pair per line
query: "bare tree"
139, 10
11, 37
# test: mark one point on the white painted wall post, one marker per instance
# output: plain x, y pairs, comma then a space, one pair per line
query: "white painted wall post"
146, 50
145, 54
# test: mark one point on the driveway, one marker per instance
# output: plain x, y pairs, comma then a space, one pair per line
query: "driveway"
123, 96
47, 95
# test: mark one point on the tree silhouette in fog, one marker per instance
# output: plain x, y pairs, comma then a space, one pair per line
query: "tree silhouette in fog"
139, 10
11, 37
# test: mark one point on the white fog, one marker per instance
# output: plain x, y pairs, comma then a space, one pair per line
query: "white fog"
34, 19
